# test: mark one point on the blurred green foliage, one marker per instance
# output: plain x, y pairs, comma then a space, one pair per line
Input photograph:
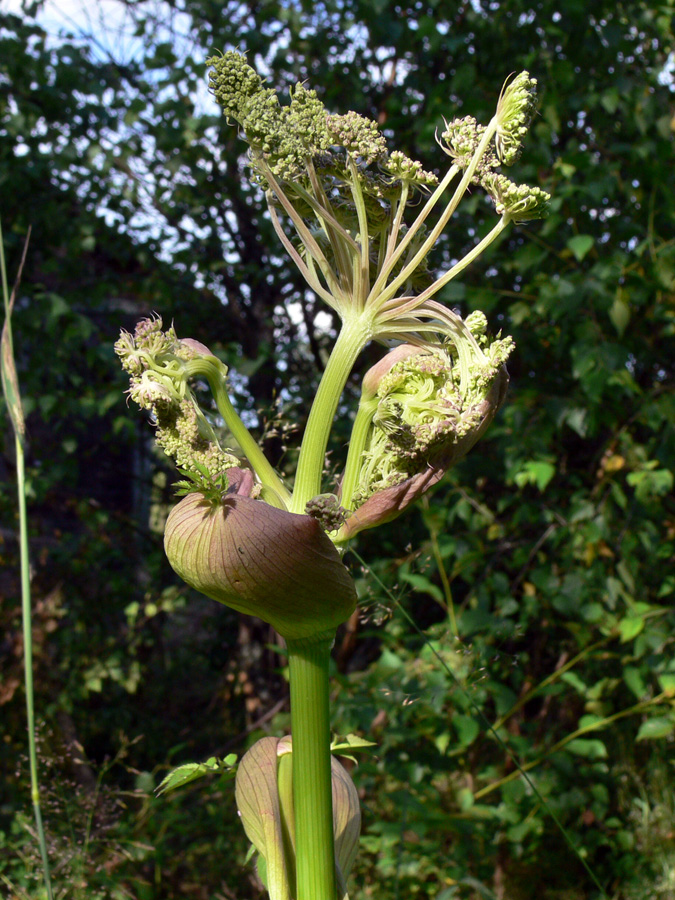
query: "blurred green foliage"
551, 545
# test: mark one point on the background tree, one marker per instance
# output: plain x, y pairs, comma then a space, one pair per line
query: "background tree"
553, 543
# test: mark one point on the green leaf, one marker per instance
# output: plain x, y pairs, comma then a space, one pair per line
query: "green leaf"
537, 472
465, 799
467, 729
667, 684
188, 772
422, 585
580, 245
633, 678
651, 482
592, 748
619, 312
610, 100
652, 729
441, 741
345, 745
667, 586
630, 627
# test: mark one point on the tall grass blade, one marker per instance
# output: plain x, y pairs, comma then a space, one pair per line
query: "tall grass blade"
10, 389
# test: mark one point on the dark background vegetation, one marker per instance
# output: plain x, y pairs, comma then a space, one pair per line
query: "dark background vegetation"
554, 540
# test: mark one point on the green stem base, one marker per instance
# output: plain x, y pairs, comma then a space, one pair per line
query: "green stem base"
312, 791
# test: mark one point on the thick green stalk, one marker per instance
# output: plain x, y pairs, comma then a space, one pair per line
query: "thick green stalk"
312, 790
353, 337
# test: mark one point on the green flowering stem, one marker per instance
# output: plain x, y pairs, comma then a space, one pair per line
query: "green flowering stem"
395, 252
492, 235
28, 663
382, 295
306, 267
363, 282
353, 336
357, 445
305, 236
340, 239
397, 222
261, 465
312, 793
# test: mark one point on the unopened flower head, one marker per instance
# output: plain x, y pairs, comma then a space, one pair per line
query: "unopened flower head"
326, 509
404, 169
418, 416
360, 137
234, 83
515, 110
421, 409
461, 140
519, 202
301, 154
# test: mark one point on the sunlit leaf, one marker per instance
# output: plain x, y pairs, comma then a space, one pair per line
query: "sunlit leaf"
189, 772
656, 728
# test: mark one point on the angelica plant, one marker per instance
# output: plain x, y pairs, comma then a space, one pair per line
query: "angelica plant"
341, 204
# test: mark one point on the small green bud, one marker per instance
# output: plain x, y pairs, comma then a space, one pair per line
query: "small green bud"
326, 509
150, 393
477, 323
404, 169
461, 138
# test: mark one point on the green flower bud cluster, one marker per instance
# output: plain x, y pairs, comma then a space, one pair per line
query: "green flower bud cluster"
420, 411
515, 110
326, 509
284, 136
234, 83
404, 169
460, 141
296, 142
185, 435
462, 137
360, 137
519, 201
160, 365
